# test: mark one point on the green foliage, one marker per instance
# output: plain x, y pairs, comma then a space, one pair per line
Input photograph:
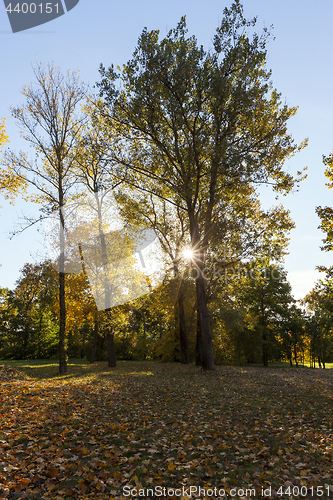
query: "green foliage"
30, 321
319, 325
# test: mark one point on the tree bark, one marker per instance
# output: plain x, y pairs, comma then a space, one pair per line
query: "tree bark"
62, 326
206, 336
96, 330
107, 287
198, 345
183, 334
205, 331
62, 290
265, 348
111, 351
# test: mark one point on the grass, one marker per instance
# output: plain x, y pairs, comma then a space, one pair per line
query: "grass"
150, 425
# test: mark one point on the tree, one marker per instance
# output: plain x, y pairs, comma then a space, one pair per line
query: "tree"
292, 333
319, 303
326, 213
49, 123
95, 175
194, 126
266, 295
29, 314
7, 311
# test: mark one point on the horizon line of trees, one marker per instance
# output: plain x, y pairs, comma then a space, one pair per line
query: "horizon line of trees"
255, 321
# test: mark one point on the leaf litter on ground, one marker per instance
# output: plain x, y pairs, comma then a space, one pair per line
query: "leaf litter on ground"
147, 424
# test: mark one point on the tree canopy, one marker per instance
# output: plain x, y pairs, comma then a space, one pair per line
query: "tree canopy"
195, 126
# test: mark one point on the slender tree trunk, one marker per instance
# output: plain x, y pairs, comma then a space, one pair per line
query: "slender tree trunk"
183, 334
62, 329
107, 286
96, 331
296, 356
181, 329
111, 351
198, 345
144, 326
264, 334
62, 291
265, 346
264, 350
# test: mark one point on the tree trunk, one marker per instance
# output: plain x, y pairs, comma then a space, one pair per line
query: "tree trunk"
62, 295
144, 326
96, 330
183, 334
83, 341
62, 326
205, 331
265, 347
176, 345
111, 352
198, 345
206, 336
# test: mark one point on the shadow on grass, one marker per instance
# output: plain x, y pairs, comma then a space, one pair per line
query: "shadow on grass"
41, 369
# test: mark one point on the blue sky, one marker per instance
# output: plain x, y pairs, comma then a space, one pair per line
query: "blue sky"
106, 31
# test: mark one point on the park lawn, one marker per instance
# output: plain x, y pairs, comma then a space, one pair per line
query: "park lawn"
148, 425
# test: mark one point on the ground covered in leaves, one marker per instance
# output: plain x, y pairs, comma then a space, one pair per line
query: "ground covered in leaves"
151, 430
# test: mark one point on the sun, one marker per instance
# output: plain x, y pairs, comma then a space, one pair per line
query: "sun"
188, 253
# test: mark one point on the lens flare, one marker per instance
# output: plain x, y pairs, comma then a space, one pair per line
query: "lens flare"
188, 253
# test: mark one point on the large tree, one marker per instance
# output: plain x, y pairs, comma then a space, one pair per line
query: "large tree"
49, 122
194, 125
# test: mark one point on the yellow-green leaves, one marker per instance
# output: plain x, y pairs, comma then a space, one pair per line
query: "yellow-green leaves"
3, 136
10, 182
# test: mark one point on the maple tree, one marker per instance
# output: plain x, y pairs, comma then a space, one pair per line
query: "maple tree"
194, 125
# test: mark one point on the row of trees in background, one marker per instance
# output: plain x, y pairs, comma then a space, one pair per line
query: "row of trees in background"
256, 320
182, 137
